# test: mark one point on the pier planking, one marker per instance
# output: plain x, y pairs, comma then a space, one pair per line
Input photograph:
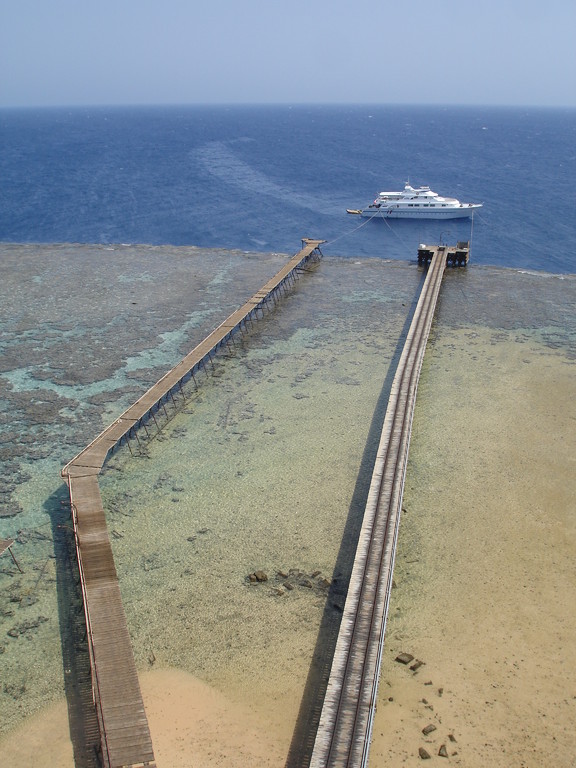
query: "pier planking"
345, 727
124, 732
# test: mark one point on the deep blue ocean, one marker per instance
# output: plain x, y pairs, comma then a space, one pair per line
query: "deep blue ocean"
260, 178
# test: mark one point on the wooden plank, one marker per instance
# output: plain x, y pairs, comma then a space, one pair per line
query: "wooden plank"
124, 727
344, 731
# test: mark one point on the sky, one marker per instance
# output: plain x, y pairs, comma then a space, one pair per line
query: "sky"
124, 52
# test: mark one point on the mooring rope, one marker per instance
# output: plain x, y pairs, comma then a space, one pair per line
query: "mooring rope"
351, 232
367, 221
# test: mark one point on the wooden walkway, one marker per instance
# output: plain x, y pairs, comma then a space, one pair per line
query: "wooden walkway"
345, 728
124, 731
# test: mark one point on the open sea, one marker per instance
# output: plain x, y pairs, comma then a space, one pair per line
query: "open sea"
127, 235
259, 178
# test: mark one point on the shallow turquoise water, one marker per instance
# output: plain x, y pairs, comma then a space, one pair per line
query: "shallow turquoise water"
265, 467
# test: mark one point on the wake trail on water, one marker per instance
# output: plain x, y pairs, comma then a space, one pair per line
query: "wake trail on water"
218, 159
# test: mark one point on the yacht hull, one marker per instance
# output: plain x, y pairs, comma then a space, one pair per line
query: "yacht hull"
391, 212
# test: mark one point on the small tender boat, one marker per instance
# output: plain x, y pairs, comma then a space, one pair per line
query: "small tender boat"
417, 203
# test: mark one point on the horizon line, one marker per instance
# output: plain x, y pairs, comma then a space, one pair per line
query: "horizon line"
289, 104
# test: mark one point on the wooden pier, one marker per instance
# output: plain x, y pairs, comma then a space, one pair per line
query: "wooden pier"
124, 732
456, 255
345, 728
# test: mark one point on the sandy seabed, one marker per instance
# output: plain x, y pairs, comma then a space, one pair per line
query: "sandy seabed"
485, 589
484, 594
191, 724
485, 574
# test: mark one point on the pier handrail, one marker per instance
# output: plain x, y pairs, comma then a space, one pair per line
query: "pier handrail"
124, 732
345, 727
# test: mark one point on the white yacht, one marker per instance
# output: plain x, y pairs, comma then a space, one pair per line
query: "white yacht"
419, 203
